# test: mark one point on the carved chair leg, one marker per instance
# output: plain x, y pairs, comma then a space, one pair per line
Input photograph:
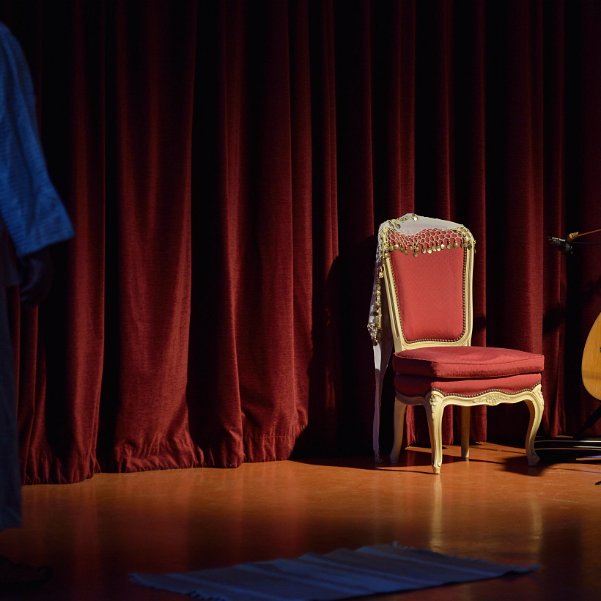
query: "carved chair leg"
382, 354
376, 423
465, 432
434, 415
536, 407
399, 426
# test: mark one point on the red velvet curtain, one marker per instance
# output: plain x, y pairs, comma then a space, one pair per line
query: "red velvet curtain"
227, 164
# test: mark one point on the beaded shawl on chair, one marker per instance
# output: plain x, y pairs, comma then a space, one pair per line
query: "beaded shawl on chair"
412, 235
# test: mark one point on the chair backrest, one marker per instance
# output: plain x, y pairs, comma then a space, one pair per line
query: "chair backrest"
427, 266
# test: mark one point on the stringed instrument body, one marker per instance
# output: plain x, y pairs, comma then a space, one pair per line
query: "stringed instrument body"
591, 360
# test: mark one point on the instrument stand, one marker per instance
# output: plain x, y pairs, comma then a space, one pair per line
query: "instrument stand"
563, 447
591, 421
578, 446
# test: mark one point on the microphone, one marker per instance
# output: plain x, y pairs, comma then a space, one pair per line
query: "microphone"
562, 244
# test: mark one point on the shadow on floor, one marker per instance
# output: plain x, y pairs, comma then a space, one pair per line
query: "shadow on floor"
410, 458
418, 460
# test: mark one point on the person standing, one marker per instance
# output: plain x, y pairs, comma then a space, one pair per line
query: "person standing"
32, 217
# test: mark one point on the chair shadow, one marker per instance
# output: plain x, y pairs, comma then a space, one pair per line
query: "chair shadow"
409, 458
418, 460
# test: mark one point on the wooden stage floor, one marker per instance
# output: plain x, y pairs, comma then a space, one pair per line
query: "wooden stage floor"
493, 507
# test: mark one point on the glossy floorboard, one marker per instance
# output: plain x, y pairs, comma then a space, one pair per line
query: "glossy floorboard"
493, 507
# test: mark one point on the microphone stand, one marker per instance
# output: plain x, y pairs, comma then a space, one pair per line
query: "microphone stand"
577, 443
574, 235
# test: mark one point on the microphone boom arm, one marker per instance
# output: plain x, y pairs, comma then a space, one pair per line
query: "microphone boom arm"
575, 235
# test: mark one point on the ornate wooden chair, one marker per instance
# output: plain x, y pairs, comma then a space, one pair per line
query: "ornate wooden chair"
425, 266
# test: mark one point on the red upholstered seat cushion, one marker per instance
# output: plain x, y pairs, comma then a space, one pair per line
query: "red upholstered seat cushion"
415, 386
466, 362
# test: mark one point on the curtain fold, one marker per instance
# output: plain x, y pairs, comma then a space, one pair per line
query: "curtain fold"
227, 164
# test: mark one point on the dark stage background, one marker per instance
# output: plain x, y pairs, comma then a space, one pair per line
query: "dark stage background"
227, 164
